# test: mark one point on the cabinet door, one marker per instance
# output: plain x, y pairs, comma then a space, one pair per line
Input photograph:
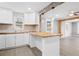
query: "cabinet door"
19, 39
29, 18
26, 38
10, 40
6, 16
37, 18
2, 41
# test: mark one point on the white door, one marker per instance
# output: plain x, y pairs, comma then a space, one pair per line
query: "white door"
10, 40
74, 28
68, 29
19, 39
2, 41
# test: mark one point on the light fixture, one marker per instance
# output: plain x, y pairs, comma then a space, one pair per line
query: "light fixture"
71, 13
29, 8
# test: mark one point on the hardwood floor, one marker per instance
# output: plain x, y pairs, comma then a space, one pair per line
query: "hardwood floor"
69, 46
21, 51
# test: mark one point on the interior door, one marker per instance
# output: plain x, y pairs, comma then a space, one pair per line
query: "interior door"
68, 29
74, 28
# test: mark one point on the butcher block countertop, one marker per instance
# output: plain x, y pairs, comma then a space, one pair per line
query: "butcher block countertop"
45, 34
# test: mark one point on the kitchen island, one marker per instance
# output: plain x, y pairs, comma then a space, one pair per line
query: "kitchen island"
47, 43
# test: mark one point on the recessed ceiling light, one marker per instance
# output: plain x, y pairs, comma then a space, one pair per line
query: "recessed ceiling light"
29, 8
71, 11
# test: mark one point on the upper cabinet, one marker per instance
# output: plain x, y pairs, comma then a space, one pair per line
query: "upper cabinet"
6, 16
31, 18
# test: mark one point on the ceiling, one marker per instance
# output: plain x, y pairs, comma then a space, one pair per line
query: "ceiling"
23, 6
63, 10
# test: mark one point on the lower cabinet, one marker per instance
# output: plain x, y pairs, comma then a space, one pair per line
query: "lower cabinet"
10, 40
22, 39
13, 40
26, 40
2, 41
19, 39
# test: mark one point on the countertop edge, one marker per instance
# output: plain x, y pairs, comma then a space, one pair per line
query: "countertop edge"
44, 35
4, 33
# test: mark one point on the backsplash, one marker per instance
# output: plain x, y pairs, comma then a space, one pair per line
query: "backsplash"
6, 28
11, 28
29, 28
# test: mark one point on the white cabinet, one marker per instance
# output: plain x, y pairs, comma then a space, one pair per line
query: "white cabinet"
22, 39
31, 18
49, 46
5, 16
26, 40
19, 39
2, 41
10, 40
14, 40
